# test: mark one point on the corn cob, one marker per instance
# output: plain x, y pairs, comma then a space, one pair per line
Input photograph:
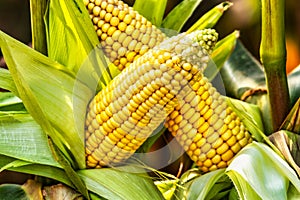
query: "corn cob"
123, 115
124, 34
209, 131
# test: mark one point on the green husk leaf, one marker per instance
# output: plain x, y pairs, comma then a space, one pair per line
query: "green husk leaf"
70, 33
220, 54
201, 186
294, 84
180, 14
244, 190
37, 12
10, 102
6, 81
21, 137
55, 173
258, 167
129, 185
72, 175
210, 18
167, 187
73, 42
241, 72
155, 14
50, 95
16, 163
13, 191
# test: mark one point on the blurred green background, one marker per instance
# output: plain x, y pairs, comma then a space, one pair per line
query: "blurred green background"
244, 15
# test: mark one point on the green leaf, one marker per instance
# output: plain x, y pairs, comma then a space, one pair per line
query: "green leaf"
6, 81
50, 95
167, 187
241, 72
10, 102
220, 54
210, 18
294, 84
37, 12
155, 14
201, 186
70, 33
12, 191
21, 137
180, 14
120, 183
257, 167
55, 173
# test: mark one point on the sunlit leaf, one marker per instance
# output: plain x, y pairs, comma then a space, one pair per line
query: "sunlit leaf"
129, 185
258, 167
210, 18
167, 187
21, 137
10, 102
37, 12
70, 33
180, 14
55, 173
155, 14
6, 81
47, 91
201, 186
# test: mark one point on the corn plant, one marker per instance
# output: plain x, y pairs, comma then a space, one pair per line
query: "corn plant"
85, 109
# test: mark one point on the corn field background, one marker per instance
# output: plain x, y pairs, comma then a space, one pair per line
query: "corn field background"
52, 66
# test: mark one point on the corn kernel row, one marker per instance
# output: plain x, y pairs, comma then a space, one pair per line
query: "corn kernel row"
124, 34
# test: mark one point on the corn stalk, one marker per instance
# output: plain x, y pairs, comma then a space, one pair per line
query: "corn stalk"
273, 58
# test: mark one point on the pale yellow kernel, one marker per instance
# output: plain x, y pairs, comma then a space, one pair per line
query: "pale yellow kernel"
103, 4
114, 21
240, 135
203, 127
126, 41
216, 159
107, 17
131, 45
208, 114
127, 19
90, 6
207, 163
109, 8
96, 10
226, 135
231, 141
105, 27
236, 147
122, 26
213, 137
222, 149
243, 142
115, 12
201, 142
228, 155
222, 164
130, 56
